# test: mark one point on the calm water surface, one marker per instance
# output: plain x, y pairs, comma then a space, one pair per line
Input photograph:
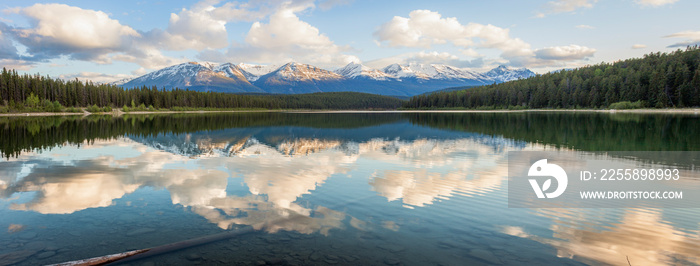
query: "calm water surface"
317, 189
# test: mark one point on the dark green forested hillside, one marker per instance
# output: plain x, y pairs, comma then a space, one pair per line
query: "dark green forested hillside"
658, 80
20, 93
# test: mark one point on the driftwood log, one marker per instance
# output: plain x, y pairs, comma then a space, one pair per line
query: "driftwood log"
149, 252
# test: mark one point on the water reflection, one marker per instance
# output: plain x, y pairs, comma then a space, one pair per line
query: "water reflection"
644, 236
66, 185
394, 176
435, 169
275, 177
579, 131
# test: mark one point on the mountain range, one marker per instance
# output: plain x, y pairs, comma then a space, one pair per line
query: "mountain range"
292, 78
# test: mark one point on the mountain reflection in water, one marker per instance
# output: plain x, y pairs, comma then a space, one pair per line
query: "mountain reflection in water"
440, 178
274, 179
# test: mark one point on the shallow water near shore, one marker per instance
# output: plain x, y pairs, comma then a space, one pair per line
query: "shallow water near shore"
325, 189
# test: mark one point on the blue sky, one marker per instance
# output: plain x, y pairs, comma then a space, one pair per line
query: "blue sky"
110, 40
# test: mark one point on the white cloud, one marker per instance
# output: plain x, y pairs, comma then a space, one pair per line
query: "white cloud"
283, 29
499, 38
196, 29
285, 38
148, 57
139, 72
564, 6
435, 56
95, 77
75, 27
561, 6
692, 38
470, 52
17, 64
58, 29
639, 46
695, 35
654, 3
427, 57
424, 28
421, 29
570, 52
203, 26
585, 27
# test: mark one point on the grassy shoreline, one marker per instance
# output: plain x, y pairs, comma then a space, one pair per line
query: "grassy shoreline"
117, 112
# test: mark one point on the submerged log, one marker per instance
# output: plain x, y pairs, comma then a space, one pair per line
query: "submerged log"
159, 250
188, 244
101, 260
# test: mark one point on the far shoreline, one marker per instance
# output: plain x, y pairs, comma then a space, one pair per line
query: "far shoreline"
694, 111
120, 113
668, 111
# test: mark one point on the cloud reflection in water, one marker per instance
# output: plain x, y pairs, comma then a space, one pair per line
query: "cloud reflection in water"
276, 177
417, 173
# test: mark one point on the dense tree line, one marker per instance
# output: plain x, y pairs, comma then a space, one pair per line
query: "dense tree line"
20, 91
580, 131
586, 131
658, 80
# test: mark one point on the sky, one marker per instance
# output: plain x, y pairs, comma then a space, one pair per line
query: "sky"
106, 41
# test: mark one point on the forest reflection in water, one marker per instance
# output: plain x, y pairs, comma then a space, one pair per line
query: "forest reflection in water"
436, 177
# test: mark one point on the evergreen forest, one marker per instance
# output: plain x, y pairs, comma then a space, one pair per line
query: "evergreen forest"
658, 80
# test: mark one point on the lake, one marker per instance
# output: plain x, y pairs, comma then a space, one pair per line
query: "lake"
277, 188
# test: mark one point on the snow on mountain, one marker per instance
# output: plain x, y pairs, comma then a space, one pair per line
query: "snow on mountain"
450, 72
294, 78
431, 71
235, 71
257, 70
395, 79
354, 70
178, 75
303, 72
200, 76
400, 71
504, 74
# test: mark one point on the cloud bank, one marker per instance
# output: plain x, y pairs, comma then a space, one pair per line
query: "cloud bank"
425, 28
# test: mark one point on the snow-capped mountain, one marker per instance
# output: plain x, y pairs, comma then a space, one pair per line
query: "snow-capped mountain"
354, 70
197, 76
395, 79
399, 71
300, 78
257, 70
431, 71
504, 73
235, 72
178, 75
302, 72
